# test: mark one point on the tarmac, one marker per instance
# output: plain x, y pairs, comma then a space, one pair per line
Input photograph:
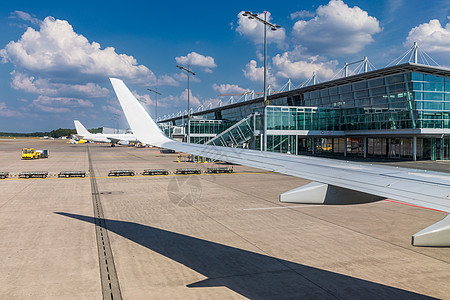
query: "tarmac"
223, 236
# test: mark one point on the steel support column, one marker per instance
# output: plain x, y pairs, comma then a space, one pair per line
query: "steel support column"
345, 146
365, 147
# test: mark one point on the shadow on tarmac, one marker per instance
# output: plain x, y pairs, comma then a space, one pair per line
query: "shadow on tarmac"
252, 275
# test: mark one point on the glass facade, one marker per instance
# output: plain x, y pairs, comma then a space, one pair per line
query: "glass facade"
358, 110
210, 127
401, 101
302, 118
204, 130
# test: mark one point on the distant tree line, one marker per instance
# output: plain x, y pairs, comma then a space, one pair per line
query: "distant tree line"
56, 133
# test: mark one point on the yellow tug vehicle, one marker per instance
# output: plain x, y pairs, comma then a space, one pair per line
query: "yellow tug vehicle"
30, 153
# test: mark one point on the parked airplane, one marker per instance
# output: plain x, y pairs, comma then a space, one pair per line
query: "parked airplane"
123, 139
334, 182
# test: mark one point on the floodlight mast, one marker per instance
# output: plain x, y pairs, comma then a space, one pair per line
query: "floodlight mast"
273, 27
189, 109
156, 104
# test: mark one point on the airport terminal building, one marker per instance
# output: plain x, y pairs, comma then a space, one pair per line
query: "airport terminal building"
398, 112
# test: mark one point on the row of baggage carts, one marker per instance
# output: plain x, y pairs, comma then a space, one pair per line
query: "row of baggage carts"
117, 173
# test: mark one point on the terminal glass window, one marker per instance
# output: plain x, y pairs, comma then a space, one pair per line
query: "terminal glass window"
302, 118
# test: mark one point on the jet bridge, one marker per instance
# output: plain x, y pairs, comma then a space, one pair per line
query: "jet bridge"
237, 136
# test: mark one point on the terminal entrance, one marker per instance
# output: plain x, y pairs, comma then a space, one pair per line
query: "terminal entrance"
355, 146
394, 147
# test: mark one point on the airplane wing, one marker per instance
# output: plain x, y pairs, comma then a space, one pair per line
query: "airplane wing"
122, 140
334, 182
113, 139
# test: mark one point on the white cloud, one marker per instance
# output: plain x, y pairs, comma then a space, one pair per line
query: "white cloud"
337, 29
182, 76
113, 107
252, 72
65, 69
29, 84
59, 104
196, 59
56, 48
254, 30
431, 37
178, 102
24, 16
255, 73
194, 101
167, 80
302, 14
144, 99
6, 112
295, 65
45, 87
229, 89
89, 89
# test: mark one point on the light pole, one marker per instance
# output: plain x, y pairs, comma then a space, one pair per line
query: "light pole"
188, 111
273, 27
116, 123
156, 105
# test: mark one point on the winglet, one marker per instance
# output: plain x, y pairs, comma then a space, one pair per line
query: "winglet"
142, 125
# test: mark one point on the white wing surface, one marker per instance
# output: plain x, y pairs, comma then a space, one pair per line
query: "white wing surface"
334, 181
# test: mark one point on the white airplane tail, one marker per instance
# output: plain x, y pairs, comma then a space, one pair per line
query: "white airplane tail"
81, 130
142, 125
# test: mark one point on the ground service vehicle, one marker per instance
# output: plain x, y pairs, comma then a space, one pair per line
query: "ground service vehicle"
30, 153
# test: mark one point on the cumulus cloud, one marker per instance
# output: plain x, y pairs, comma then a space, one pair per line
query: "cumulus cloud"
167, 80
194, 101
59, 104
252, 72
431, 36
25, 17
44, 87
173, 101
113, 107
65, 69
29, 84
255, 73
337, 29
6, 112
182, 76
196, 59
228, 88
144, 99
296, 65
254, 30
56, 48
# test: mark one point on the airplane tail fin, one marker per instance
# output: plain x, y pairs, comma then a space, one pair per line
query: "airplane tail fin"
142, 125
81, 130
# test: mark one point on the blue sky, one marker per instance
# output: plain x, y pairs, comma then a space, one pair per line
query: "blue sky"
56, 56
